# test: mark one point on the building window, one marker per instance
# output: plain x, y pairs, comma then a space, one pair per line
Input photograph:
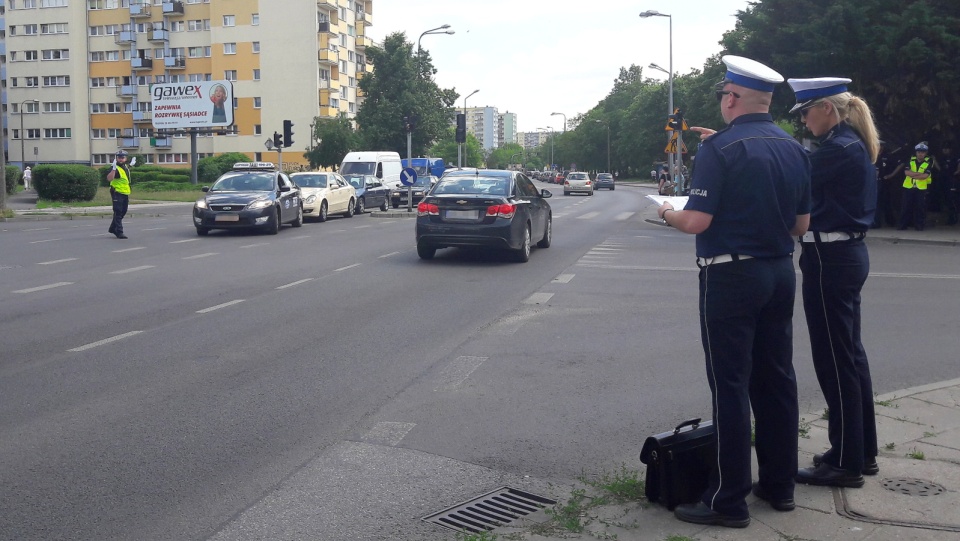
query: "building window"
334, 103
56, 54
229, 20
257, 130
32, 81
255, 19
230, 75
56, 133
256, 74
256, 102
56, 107
53, 3
229, 48
56, 80
55, 28
177, 26
97, 108
256, 47
98, 133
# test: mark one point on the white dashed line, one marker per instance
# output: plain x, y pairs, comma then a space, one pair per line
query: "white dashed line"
182, 241
41, 288
55, 261
106, 341
198, 256
563, 278
388, 255
457, 372
153, 229
387, 433
588, 215
45, 240
298, 282
134, 249
300, 237
133, 269
347, 267
624, 216
538, 298
219, 306
255, 245
37, 229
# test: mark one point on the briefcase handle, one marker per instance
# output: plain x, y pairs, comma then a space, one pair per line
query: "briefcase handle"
688, 422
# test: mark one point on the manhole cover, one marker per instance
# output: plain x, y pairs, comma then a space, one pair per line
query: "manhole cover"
912, 487
484, 513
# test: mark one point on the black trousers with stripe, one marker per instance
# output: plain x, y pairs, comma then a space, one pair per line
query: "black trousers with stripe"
746, 326
833, 275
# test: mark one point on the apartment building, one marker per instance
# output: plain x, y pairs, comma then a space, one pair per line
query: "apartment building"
77, 74
507, 128
492, 129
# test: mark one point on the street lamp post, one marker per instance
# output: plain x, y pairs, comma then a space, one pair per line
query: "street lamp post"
461, 157
564, 120
432, 31
23, 157
607, 122
670, 157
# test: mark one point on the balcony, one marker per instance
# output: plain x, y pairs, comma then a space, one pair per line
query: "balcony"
142, 116
328, 5
363, 42
326, 56
172, 9
128, 142
127, 91
327, 93
161, 142
139, 9
326, 27
141, 63
160, 35
126, 36
174, 62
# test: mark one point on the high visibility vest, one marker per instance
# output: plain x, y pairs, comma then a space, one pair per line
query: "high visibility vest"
121, 181
922, 168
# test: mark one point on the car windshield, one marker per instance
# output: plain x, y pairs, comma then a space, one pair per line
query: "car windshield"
604, 175
421, 170
310, 180
357, 181
245, 182
472, 185
358, 168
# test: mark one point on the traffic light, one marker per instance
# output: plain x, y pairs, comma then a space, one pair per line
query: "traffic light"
407, 128
461, 128
676, 121
277, 140
287, 133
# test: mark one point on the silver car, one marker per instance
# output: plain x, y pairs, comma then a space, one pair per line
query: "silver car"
577, 181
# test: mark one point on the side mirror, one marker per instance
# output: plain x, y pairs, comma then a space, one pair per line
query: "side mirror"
546, 194
205, 189
285, 188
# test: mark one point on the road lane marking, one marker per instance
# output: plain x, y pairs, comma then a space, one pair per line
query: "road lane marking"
219, 306
41, 288
133, 269
153, 229
363, 226
347, 267
588, 215
299, 237
624, 216
106, 341
182, 241
130, 249
457, 372
198, 256
388, 255
387, 433
538, 298
255, 245
563, 278
46, 240
298, 282
55, 261
37, 229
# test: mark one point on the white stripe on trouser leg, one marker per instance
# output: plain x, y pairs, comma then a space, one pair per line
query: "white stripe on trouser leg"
833, 351
713, 372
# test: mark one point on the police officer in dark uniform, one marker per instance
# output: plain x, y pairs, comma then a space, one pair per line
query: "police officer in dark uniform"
835, 265
119, 179
749, 199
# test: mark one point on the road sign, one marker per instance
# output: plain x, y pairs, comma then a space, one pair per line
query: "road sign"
672, 145
408, 176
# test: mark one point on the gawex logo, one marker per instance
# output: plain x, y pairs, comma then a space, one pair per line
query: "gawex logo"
166, 92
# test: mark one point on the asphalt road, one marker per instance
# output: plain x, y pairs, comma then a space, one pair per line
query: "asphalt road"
325, 383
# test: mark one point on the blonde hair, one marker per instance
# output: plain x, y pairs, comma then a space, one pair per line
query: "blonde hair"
855, 111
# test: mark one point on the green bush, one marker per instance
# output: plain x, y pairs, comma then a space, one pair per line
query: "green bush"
160, 186
65, 182
11, 174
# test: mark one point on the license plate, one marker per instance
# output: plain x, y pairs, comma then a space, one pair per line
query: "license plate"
461, 214
227, 218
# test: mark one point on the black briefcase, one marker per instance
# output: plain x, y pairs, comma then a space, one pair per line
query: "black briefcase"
679, 463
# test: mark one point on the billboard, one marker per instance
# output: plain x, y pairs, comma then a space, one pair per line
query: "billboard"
201, 104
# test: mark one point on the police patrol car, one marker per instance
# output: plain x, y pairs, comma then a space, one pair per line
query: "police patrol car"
253, 195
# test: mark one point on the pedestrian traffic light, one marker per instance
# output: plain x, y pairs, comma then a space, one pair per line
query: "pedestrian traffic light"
277, 140
461, 128
287, 133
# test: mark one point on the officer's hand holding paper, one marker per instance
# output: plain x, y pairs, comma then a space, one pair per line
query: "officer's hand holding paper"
676, 202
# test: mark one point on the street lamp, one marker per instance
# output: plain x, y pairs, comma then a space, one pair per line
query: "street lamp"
464, 145
23, 159
607, 122
564, 120
670, 158
432, 31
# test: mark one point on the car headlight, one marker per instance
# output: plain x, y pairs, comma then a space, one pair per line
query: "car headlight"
260, 204
201, 204
309, 200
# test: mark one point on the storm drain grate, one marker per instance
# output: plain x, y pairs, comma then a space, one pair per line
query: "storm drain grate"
484, 513
912, 487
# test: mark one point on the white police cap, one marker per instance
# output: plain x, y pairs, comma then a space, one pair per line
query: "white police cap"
750, 73
922, 145
810, 90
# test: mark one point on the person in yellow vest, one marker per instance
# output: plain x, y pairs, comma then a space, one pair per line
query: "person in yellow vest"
913, 208
119, 178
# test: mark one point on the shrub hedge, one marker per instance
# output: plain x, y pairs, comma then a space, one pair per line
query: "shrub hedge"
12, 175
65, 182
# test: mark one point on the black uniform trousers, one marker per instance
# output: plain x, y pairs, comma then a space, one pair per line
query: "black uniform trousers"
746, 326
833, 275
913, 208
120, 203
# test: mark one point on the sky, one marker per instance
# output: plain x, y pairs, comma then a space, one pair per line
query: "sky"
538, 57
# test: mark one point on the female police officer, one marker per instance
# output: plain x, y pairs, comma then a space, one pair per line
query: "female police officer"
835, 264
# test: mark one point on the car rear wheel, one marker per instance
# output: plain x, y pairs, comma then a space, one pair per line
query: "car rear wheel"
425, 251
322, 215
522, 255
273, 226
299, 221
350, 208
547, 234
361, 206
383, 206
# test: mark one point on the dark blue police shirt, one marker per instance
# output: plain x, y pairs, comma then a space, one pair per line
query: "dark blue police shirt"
754, 179
843, 183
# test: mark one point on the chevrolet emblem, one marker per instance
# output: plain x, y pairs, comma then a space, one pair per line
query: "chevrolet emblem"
227, 208
461, 202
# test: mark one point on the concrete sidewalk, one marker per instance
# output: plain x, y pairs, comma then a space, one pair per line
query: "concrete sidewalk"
914, 497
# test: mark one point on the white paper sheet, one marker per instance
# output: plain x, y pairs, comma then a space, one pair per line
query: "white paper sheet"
678, 202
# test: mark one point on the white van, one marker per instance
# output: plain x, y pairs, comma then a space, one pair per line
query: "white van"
373, 174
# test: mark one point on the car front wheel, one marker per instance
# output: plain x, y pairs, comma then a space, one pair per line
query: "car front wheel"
273, 226
202, 231
361, 206
383, 206
322, 215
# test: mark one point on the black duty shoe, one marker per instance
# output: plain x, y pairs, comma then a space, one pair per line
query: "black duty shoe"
870, 466
120, 235
699, 513
826, 475
783, 504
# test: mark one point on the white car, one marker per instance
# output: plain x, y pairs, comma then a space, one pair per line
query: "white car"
325, 193
577, 181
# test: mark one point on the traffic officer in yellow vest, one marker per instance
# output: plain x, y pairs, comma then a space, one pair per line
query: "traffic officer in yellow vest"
913, 209
119, 178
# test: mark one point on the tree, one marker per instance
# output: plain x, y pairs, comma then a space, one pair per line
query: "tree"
401, 86
502, 157
335, 138
446, 148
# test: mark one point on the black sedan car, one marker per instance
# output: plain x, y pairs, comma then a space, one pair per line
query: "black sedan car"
484, 208
252, 195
